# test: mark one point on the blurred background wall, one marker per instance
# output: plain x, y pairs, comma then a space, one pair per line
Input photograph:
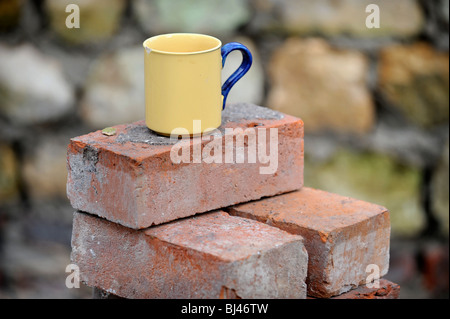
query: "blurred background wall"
374, 102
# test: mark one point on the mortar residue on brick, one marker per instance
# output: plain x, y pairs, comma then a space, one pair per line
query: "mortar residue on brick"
232, 113
247, 111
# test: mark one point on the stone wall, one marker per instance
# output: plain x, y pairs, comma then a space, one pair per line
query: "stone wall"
374, 103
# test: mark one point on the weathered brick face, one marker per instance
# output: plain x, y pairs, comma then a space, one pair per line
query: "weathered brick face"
131, 179
213, 255
343, 236
384, 290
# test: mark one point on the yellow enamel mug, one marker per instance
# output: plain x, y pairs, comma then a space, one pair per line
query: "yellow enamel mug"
183, 91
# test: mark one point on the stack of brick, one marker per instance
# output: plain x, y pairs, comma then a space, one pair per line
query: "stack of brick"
211, 223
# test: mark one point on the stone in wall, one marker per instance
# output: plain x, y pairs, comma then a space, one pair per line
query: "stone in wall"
440, 191
415, 80
8, 173
75, 64
444, 17
437, 27
33, 88
35, 269
374, 178
44, 169
323, 86
249, 89
114, 92
99, 19
215, 17
406, 143
399, 18
435, 268
9, 13
444, 6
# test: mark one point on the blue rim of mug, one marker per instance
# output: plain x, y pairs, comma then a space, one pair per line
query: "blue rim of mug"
217, 47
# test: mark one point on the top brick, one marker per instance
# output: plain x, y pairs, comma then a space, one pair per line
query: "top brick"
136, 178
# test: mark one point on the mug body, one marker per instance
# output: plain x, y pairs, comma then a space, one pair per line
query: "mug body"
183, 83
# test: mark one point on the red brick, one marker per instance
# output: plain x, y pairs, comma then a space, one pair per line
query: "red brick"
213, 255
435, 262
129, 178
342, 235
386, 290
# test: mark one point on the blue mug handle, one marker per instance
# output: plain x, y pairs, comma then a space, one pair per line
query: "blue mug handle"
247, 61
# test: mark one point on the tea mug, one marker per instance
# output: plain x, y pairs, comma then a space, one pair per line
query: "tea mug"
183, 82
